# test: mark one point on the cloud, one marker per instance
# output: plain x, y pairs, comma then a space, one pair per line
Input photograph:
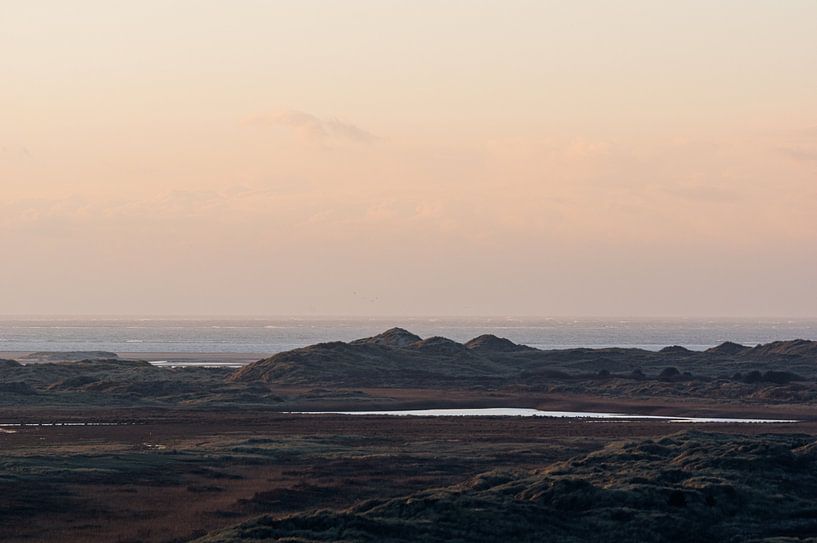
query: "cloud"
802, 154
15, 150
705, 193
314, 129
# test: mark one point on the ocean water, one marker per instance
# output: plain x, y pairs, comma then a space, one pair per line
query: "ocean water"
275, 334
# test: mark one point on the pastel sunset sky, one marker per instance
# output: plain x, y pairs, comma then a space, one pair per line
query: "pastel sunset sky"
633, 158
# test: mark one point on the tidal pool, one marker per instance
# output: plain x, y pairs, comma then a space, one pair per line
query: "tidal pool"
525, 412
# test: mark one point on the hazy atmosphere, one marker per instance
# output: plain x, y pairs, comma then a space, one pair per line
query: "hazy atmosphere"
404, 271
409, 158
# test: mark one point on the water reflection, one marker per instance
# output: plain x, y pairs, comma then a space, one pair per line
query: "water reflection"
524, 412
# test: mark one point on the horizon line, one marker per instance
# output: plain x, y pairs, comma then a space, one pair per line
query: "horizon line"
302, 316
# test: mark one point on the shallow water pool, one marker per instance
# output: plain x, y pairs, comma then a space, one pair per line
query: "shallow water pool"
526, 412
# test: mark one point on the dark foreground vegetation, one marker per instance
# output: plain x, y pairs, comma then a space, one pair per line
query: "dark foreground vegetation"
258, 476
690, 486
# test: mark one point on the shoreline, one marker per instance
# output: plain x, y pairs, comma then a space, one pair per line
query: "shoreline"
179, 357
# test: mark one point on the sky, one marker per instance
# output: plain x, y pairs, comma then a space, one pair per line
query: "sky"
593, 158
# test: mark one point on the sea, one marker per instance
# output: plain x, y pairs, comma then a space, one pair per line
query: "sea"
269, 335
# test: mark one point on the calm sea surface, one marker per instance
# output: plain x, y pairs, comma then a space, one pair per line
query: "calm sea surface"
275, 334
